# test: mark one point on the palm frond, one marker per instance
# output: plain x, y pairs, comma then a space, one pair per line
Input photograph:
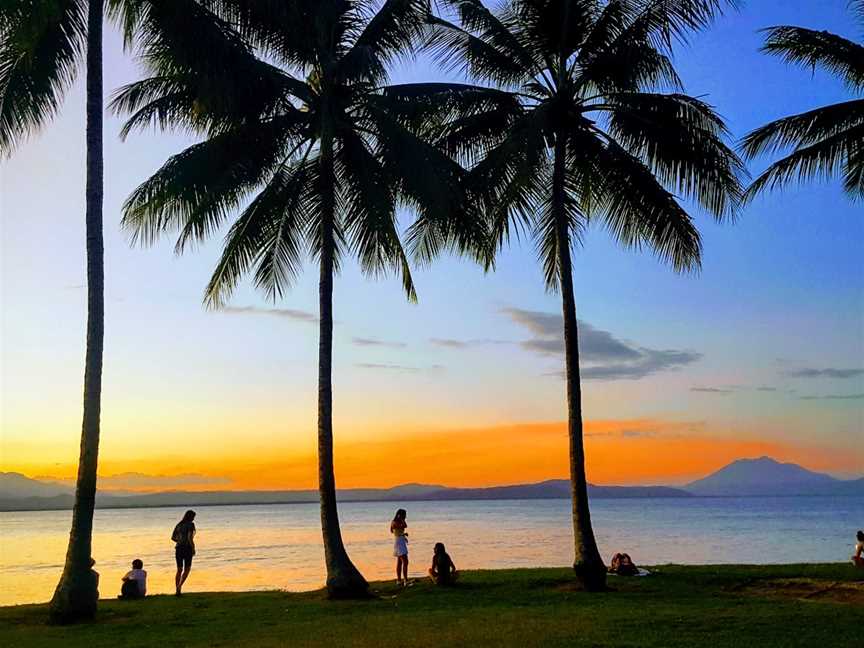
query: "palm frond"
463, 120
820, 160
267, 237
680, 139
644, 214
392, 33
476, 18
821, 49
547, 239
803, 129
202, 59
369, 220
197, 189
41, 45
455, 48
432, 184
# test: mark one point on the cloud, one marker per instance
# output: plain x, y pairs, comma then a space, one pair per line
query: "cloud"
829, 372
372, 342
711, 390
766, 389
397, 368
287, 313
834, 397
604, 357
450, 343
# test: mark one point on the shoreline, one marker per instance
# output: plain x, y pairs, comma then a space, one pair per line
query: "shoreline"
193, 502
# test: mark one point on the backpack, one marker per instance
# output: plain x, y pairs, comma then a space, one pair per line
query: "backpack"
177, 535
623, 565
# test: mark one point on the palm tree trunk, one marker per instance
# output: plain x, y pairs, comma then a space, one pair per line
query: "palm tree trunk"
77, 592
587, 563
343, 578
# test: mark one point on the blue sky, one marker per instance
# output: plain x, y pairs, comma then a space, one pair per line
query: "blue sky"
781, 291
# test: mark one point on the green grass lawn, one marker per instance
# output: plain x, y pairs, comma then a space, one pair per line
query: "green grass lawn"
790, 605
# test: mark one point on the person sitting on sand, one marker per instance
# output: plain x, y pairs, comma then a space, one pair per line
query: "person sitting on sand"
858, 558
184, 539
400, 546
134, 582
443, 571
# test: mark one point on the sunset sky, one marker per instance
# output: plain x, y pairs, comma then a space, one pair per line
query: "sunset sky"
762, 353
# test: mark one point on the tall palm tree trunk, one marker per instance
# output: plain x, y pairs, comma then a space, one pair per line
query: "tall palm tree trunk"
77, 592
587, 563
343, 578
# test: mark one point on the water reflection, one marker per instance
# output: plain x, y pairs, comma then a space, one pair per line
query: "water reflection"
279, 546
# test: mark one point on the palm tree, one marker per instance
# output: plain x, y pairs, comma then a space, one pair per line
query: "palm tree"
42, 46
826, 140
300, 141
565, 124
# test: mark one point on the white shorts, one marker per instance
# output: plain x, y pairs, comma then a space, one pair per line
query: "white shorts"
400, 547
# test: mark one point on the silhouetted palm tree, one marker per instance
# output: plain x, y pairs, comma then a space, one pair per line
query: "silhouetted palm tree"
291, 100
825, 141
568, 127
43, 44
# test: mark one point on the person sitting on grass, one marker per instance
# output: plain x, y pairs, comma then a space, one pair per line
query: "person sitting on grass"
623, 565
443, 571
134, 582
858, 558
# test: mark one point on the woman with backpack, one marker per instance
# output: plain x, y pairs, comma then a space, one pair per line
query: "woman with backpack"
184, 549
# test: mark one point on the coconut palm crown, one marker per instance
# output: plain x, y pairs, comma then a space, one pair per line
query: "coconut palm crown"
575, 114
827, 141
302, 150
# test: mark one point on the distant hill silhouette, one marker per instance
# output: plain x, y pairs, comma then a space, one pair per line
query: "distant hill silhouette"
744, 477
766, 476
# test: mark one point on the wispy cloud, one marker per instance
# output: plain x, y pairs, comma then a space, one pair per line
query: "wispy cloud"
287, 313
833, 397
829, 372
450, 343
397, 368
766, 389
605, 357
711, 390
372, 342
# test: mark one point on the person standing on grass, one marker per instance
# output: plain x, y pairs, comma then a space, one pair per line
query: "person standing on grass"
858, 557
184, 540
400, 546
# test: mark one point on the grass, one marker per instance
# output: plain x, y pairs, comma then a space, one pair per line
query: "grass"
750, 606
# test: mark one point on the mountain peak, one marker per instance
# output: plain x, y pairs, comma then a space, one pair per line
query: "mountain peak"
764, 475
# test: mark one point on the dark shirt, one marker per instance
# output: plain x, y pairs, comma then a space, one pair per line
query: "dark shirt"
184, 534
442, 566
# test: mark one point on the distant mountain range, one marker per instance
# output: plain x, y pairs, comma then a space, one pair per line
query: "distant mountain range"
741, 478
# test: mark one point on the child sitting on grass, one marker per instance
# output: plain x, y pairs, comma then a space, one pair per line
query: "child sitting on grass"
443, 571
134, 582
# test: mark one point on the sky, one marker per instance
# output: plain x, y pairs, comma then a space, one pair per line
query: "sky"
762, 353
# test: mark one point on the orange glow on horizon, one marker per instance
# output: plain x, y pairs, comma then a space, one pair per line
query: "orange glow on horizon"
635, 451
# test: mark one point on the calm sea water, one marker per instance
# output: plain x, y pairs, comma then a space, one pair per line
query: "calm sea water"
279, 546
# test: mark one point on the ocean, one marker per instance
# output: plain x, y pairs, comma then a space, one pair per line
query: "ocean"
279, 546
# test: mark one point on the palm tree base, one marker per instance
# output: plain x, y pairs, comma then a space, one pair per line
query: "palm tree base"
347, 585
75, 598
591, 575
